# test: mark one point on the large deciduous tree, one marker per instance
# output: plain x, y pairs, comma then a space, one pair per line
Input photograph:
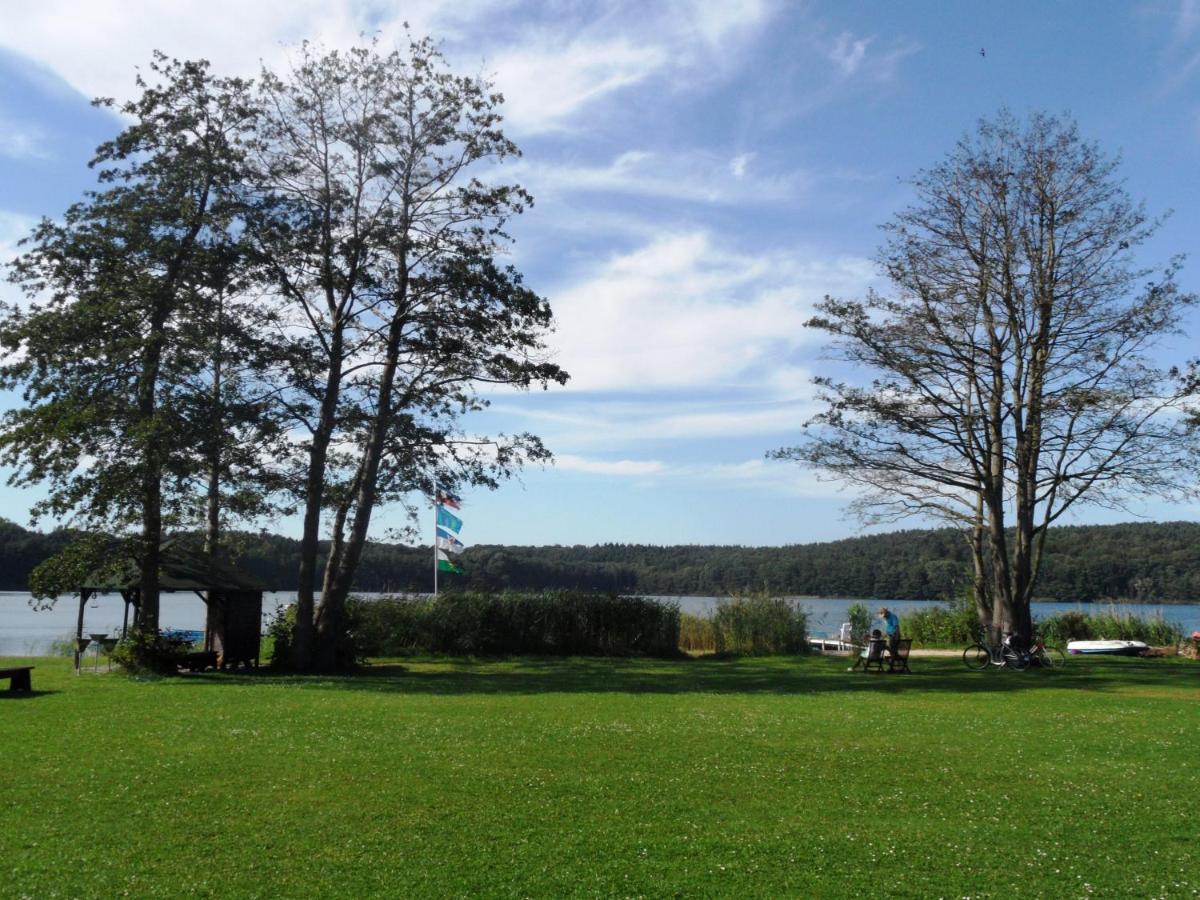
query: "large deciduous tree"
380, 225
1016, 361
111, 348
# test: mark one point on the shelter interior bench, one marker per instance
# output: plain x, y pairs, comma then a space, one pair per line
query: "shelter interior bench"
19, 679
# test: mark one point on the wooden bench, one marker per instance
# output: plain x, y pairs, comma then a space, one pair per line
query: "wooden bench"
871, 656
18, 678
898, 661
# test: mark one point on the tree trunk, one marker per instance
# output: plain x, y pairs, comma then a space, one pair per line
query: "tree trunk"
979, 582
340, 573
212, 533
304, 638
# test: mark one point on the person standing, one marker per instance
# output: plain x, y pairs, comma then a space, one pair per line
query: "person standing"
891, 628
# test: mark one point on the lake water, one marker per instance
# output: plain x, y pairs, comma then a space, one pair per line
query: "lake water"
28, 632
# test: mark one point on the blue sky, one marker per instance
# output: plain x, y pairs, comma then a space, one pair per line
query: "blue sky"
705, 171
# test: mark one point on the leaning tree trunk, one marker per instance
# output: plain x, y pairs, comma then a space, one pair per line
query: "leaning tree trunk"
304, 636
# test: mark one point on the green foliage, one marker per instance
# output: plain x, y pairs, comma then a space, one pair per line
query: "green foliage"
942, 626
1145, 561
146, 653
758, 624
860, 619
77, 564
550, 623
697, 634
1111, 624
277, 643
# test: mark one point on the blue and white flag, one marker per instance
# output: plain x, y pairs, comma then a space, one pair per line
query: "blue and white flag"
447, 541
447, 519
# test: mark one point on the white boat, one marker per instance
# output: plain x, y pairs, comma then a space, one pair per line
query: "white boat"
1117, 648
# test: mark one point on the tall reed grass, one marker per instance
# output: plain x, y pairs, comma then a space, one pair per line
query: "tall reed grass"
697, 634
549, 623
1113, 623
942, 626
749, 625
957, 624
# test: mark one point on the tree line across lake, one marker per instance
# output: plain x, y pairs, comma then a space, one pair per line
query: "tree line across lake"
1151, 562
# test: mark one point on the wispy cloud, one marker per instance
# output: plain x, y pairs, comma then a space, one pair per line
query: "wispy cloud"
623, 467
686, 310
692, 176
22, 141
663, 420
544, 89
762, 475
550, 68
848, 52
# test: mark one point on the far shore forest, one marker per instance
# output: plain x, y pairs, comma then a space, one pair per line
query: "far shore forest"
1144, 562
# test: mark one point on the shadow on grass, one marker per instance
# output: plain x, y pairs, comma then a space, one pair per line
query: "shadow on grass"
25, 695
530, 675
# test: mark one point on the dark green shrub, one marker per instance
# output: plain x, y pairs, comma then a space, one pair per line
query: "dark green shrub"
142, 653
277, 645
759, 624
549, 623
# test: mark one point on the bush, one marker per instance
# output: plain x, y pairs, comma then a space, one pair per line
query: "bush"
860, 620
760, 625
551, 623
277, 645
142, 653
1111, 624
943, 626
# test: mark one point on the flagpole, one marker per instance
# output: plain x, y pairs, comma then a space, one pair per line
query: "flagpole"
435, 547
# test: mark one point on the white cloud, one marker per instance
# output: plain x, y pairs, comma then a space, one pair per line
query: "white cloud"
626, 467
543, 89
737, 165
755, 474
548, 72
691, 176
664, 420
849, 52
95, 46
20, 140
684, 312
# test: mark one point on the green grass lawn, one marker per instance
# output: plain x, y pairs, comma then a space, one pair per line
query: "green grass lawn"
586, 777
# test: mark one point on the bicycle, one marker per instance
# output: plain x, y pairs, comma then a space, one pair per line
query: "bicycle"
1046, 657
981, 654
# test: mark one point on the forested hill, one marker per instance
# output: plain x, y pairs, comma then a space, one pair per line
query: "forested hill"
1143, 561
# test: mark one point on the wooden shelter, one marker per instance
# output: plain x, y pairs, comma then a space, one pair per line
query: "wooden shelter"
233, 623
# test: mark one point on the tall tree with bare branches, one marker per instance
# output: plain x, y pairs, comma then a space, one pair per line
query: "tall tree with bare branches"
1015, 363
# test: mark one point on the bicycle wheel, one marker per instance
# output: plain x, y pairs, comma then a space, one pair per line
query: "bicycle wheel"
1055, 657
1013, 659
976, 657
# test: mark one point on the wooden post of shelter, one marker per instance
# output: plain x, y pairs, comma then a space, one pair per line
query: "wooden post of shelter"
84, 593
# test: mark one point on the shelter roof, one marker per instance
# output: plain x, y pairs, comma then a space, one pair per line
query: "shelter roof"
182, 569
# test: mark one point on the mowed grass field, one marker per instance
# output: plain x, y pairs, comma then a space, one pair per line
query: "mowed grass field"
589, 777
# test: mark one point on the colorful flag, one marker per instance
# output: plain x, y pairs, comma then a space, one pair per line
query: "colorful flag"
447, 541
445, 498
446, 564
449, 520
